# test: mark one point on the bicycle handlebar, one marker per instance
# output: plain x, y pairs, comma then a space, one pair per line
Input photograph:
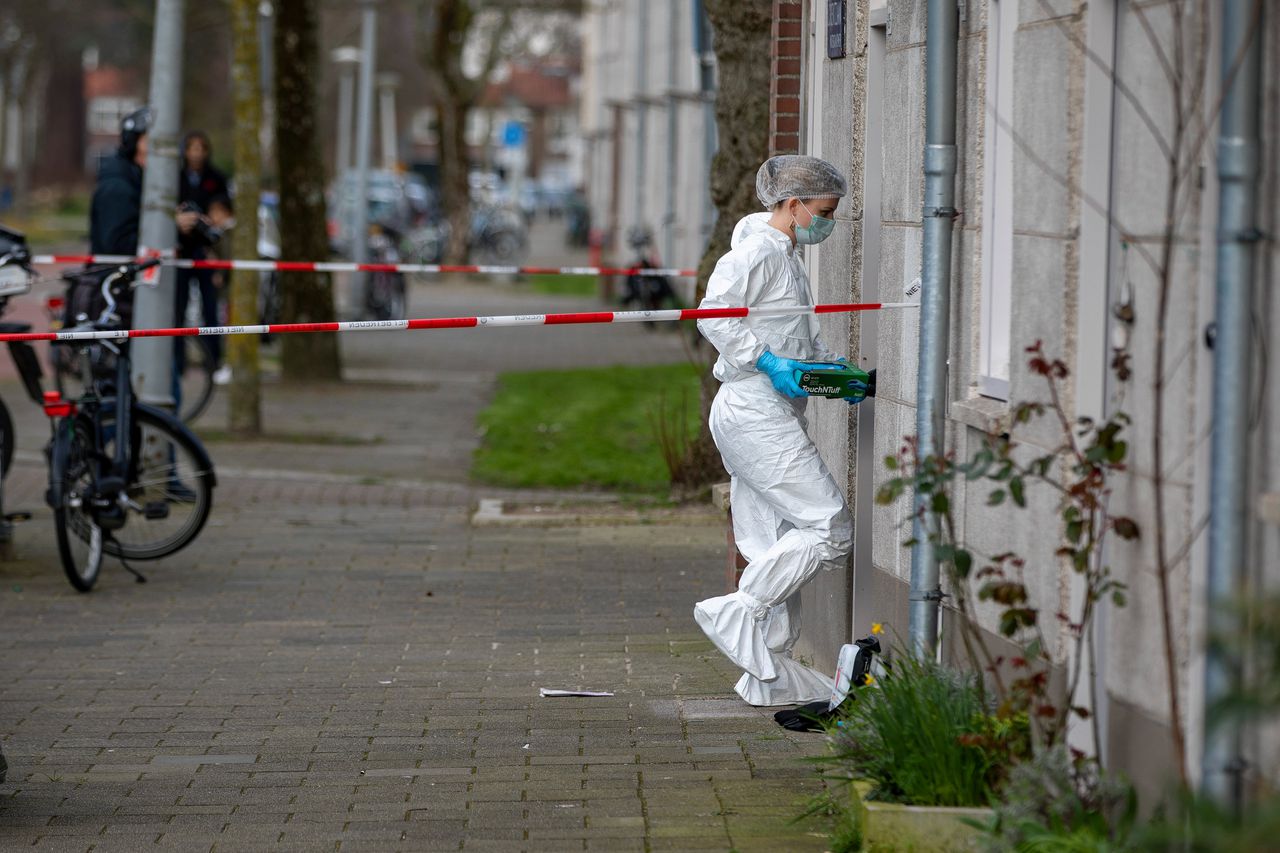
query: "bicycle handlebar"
130, 270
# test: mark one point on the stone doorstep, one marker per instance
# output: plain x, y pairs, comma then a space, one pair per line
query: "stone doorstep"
493, 512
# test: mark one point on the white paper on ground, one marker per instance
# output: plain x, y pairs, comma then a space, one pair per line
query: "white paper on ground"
546, 692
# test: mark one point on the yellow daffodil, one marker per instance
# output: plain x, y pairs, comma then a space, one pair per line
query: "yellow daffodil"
877, 628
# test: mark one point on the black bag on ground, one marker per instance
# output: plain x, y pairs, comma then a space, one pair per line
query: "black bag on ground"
814, 716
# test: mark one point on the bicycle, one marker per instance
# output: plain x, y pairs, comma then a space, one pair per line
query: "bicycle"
73, 307
15, 279
137, 499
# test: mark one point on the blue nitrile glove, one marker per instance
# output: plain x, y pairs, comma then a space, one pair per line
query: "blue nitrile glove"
781, 372
868, 388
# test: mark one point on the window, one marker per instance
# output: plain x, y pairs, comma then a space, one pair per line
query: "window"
106, 112
997, 202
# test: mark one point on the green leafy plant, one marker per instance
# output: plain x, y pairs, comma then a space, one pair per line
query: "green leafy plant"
1079, 469
921, 735
1057, 802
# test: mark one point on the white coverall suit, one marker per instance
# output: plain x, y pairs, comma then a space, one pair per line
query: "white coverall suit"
789, 516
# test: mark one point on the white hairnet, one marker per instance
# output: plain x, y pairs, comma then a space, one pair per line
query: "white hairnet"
798, 176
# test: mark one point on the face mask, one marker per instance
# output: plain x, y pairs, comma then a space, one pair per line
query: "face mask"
819, 228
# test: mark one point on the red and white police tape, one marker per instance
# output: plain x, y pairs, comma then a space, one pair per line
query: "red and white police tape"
460, 322
344, 266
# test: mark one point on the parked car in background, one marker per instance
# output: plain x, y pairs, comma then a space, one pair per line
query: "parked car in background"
390, 202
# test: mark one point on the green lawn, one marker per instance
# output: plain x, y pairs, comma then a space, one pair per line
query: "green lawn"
565, 285
593, 428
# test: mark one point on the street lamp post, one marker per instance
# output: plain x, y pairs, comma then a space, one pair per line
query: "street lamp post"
388, 82
364, 132
347, 58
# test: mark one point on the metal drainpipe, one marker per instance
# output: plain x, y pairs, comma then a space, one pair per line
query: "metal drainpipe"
931, 386
673, 80
642, 108
1223, 765
707, 87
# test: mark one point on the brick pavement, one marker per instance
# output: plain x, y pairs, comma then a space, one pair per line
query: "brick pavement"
341, 662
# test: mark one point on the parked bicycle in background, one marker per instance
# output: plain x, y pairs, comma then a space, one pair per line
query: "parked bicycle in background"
15, 279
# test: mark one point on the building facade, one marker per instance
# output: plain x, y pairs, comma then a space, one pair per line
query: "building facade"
648, 124
1065, 233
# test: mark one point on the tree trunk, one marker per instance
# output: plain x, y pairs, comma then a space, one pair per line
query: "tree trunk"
455, 187
445, 27
245, 410
307, 297
741, 45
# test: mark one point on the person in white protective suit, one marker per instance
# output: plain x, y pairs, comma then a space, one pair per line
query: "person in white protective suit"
790, 518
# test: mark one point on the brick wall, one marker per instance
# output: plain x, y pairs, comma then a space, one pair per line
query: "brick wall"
784, 86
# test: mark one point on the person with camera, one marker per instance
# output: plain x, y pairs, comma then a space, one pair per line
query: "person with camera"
205, 202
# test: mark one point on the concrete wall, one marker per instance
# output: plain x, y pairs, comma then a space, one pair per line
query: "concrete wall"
1084, 157
1265, 745
640, 55
834, 92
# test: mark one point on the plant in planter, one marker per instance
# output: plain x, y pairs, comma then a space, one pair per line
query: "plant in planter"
933, 737
922, 735
1057, 802
1080, 469
911, 755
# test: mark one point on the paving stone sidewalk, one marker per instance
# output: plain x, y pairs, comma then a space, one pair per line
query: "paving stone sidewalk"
342, 662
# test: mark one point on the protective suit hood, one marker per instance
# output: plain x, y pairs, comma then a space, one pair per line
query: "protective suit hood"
755, 225
762, 268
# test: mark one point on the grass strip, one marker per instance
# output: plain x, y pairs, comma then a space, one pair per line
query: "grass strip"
594, 428
560, 284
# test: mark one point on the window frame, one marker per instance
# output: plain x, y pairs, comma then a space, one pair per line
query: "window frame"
995, 354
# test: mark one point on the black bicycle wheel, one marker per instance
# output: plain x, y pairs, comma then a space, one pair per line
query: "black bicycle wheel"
385, 298
197, 379
66, 366
169, 492
80, 540
6, 440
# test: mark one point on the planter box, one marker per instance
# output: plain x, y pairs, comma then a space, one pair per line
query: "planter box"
917, 829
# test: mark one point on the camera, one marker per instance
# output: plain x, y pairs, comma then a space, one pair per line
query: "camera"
204, 233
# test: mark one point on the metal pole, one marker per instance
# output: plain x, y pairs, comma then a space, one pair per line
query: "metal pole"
364, 132
931, 386
642, 108
346, 58
1223, 765
673, 105
707, 86
387, 84
154, 306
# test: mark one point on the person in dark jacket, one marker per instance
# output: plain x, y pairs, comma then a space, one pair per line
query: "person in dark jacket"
116, 210
115, 214
202, 189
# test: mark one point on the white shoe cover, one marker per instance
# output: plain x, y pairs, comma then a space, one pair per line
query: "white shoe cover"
796, 684
732, 622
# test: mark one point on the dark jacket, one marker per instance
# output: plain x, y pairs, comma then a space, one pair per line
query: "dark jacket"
116, 210
202, 189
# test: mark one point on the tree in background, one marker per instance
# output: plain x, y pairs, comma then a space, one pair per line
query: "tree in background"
245, 410
446, 29
741, 45
307, 297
